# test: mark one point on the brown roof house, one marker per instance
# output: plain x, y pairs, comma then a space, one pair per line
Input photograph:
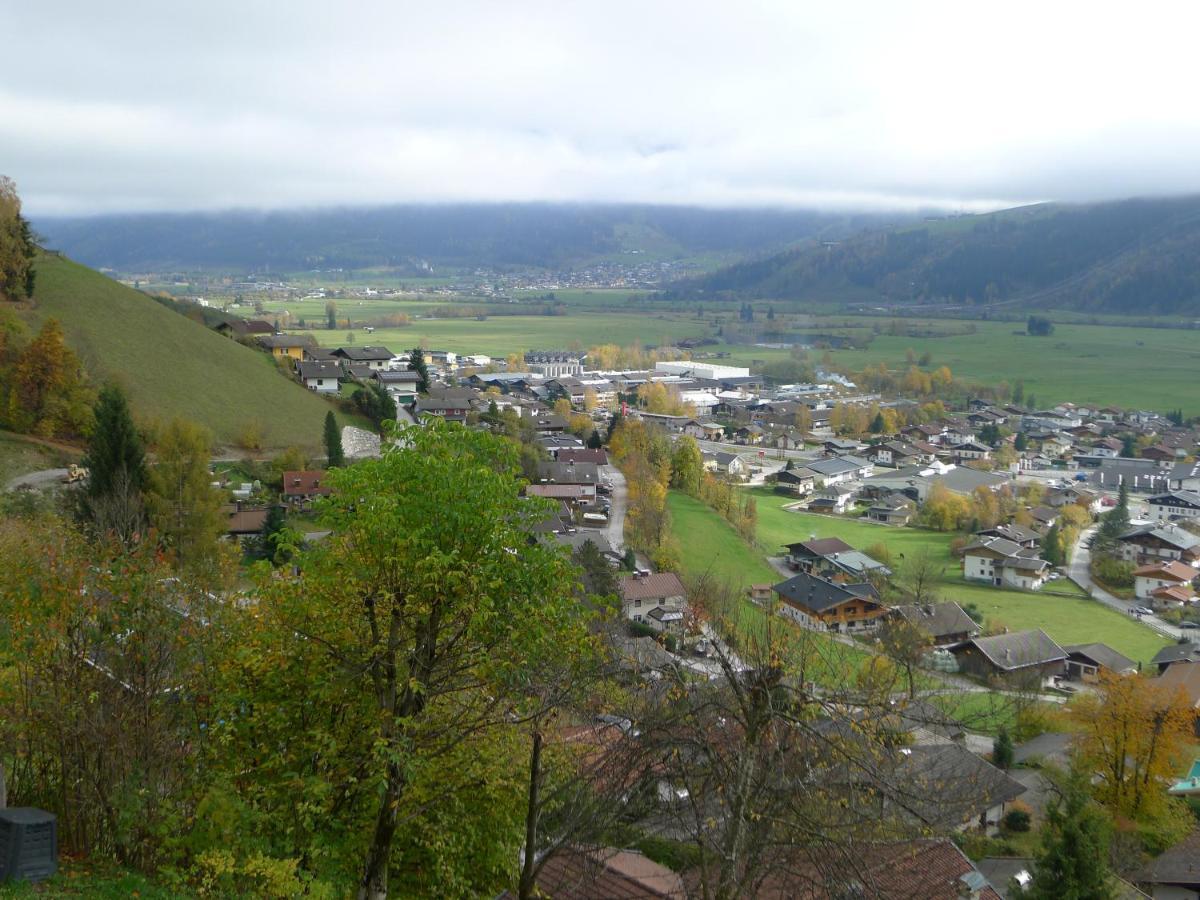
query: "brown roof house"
301, 488
658, 600
1022, 654
579, 873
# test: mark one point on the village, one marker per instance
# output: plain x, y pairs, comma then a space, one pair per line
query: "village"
1103, 501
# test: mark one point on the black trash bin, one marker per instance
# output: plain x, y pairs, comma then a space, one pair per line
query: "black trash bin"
28, 844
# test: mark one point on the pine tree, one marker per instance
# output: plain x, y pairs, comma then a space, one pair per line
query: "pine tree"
335, 455
1074, 860
116, 464
1002, 750
877, 424
416, 363
1052, 551
273, 535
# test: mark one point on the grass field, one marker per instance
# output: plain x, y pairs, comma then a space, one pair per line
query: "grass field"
500, 335
20, 455
170, 365
710, 545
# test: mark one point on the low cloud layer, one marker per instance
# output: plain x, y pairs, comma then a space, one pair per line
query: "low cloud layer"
133, 106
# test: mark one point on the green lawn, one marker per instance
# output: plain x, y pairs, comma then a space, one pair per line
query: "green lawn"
711, 546
170, 365
100, 882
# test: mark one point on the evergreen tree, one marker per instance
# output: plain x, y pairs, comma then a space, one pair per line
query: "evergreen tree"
594, 442
1002, 750
334, 453
116, 463
1074, 860
770, 313
275, 536
1021, 444
1128, 446
878, 424
629, 560
416, 363
1052, 551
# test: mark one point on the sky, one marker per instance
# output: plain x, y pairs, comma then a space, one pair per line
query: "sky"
133, 105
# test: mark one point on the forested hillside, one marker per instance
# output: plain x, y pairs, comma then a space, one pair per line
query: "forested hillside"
464, 236
1129, 256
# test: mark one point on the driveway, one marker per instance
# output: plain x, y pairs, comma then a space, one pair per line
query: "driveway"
615, 529
1079, 571
41, 479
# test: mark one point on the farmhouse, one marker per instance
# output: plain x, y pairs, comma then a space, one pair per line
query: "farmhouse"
799, 481
373, 358
1085, 662
301, 488
945, 623
1002, 562
1164, 583
819, 603
1021, 653
894, 510
834, 559
287, 346
1149, 543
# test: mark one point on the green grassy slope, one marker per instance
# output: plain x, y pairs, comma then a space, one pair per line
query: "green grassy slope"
169, 364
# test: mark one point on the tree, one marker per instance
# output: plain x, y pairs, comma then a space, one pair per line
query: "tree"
416, 363
436, 597
594, 441
375, 403
1113, 523
878, 424
1021, 442
905, 645
599, 578
1039, 326
687, 466
335, 456
48, 387
183, 505
331, 315
1052, 547
17, 247
116, 464
1135, 735
1073, 864
1002, 750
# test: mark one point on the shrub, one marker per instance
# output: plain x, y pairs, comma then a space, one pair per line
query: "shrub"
1017, 819
1113, 572
670, 642
250, 435
640, 629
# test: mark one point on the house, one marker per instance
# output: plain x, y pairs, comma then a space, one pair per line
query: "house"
831, 500
817, 602
750, 434
1173, 654
1152, 579
1175, 874
1024, 537
790, 440
571, 494
1184, 476
839, 446
894, 510
949, 787
959, 480
896, 454
1158, 453
244, 523
832, 558
1150, 543
571, 455
1002, 562
839, 469
920, 869
1019, 654
321, 377
400, 385
1085, 661
658, 600
301, 488
725, 463
237, 328
1174, 506
759, 593
970, 450
799, 481
373, 358
452, 409
583, 873
946, 623
288, 346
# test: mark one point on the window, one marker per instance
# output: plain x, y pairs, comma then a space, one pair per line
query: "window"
637, 601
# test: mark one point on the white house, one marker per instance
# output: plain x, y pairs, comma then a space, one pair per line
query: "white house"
971, 450
838, 469
658, 600
1004, 563
321, 377
1174, 505
1164, 581
725, 463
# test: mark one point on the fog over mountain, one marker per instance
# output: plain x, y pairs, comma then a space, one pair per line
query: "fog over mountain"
125, 107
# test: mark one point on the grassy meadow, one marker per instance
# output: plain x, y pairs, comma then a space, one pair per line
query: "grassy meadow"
170, 365
711, 546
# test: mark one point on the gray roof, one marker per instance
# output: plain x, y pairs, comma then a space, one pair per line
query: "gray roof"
1102, 655
837, 465
1173, 653
364, 354
819, 594
1168, 534
949, 784
939, 619
1180, 865
576, 539
319, 370
1012, 532
1188, 498
963, 480
1019, 649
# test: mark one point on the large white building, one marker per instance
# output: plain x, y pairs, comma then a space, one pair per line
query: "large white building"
555, 363
710, 371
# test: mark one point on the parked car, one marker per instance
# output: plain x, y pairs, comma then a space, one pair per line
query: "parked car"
1143, 611
1189, 625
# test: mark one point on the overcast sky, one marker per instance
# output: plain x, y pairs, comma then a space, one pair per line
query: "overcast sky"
128, 105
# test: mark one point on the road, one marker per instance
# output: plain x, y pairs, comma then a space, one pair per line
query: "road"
40, 479
1079, 571
769, 453
615, 529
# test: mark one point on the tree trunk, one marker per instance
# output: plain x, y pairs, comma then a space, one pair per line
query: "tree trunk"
526, 886
374, 884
